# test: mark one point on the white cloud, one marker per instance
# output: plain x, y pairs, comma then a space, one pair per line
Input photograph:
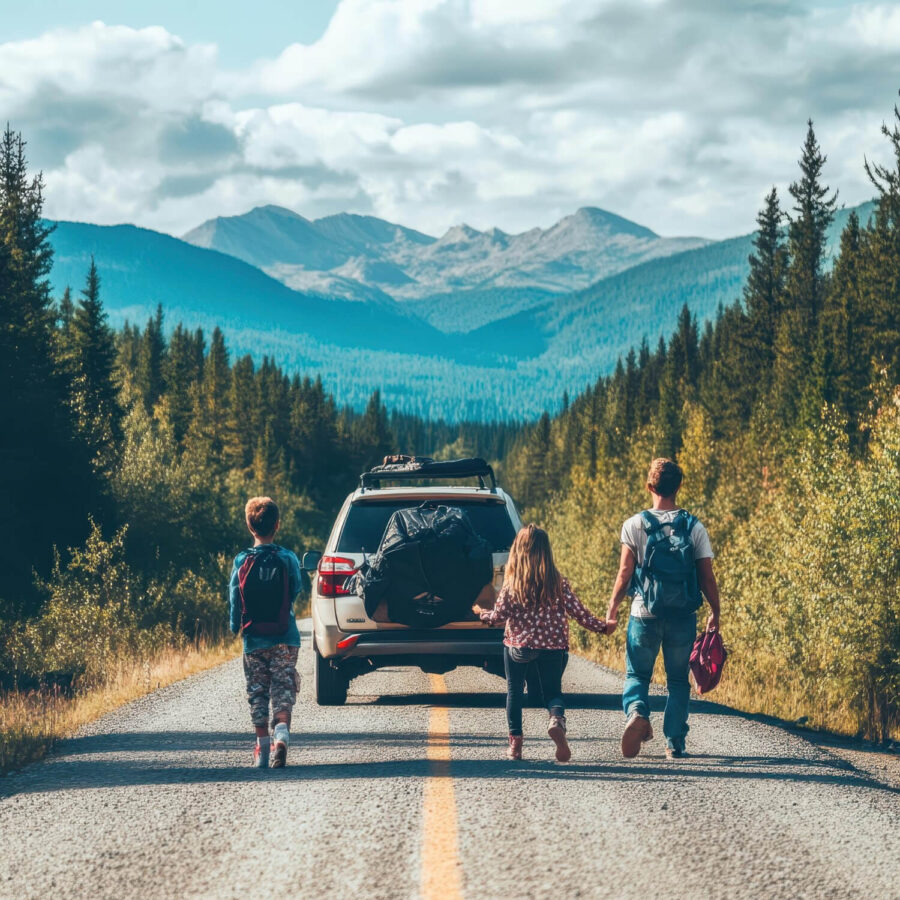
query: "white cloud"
676, 113
292, 134
877, 26
148, 65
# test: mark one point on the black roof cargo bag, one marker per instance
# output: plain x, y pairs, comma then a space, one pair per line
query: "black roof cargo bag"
402, 468
430, 567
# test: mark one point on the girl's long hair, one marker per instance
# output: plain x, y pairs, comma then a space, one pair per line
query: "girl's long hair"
531, 574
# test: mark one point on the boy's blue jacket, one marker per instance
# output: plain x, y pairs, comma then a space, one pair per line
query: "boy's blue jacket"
261, 641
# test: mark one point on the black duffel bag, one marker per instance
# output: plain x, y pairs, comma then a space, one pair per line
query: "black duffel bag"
430, 567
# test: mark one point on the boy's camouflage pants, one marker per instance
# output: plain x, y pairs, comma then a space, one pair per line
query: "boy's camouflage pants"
271, 674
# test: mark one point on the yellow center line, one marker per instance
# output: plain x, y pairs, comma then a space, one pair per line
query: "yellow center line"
441, 870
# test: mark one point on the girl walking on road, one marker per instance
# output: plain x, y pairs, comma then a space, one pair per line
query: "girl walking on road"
535, 602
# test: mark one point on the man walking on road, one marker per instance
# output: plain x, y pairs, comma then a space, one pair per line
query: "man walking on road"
666, 562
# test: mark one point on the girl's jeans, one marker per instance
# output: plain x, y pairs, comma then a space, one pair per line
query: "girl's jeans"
645, 637
550, 665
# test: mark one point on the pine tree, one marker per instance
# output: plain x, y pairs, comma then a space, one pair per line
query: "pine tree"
210, 426
373, 435
94, 387
150, 378
677, 383
842, 372
269, 462
727, 386
764, 292
66, 310
242, 414
632, 388
273, 390
616, 424
644, 401
45, 480
808, 231
198, 348
317, 455
65, 314
805, 285
536, 475
26, 236
573, 435
181, 377
880, 276
684, 351
667, 423
128, 342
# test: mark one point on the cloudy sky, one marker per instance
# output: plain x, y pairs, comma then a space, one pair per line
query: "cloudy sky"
678, 114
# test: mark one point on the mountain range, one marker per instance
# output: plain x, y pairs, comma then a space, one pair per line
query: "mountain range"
471, 325
362, 257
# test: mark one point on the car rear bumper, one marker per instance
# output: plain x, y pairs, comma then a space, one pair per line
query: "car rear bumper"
479, 644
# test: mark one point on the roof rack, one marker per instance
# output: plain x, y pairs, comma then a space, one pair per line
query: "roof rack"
419, 467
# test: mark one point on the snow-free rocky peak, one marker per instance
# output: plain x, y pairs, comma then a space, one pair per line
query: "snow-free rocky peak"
370, 252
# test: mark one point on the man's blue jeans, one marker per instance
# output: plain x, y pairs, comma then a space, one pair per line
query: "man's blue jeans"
645, 637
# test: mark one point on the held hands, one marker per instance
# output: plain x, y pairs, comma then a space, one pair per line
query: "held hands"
712, 623
477, 609
611, 625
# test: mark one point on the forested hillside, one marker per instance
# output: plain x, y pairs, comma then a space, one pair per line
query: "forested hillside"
785, 415
491, 352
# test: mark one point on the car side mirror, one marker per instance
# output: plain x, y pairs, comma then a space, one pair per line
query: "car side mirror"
310, 560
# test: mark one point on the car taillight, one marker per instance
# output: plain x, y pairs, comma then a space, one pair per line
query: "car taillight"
333, 572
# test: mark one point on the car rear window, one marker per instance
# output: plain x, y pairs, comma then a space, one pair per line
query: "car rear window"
366, 522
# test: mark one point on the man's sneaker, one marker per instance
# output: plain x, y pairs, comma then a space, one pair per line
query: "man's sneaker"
261, 755
557, 731
514, 750
280, 740
673, 753
637, 731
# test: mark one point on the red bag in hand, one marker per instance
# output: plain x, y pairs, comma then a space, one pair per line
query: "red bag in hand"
707, 661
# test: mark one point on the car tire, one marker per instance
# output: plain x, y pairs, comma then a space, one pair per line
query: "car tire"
330, 684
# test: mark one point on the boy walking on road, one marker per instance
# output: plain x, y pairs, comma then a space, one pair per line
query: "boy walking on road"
666, 562
264, 582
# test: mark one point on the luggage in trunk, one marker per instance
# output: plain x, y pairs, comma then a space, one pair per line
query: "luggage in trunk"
430, 568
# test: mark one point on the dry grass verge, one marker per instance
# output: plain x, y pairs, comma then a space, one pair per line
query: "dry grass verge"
31, 722
781, 698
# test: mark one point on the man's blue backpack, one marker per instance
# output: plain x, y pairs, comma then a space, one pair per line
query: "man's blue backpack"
667, 580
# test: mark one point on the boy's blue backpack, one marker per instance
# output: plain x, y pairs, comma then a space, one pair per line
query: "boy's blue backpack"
264, 582
667, 580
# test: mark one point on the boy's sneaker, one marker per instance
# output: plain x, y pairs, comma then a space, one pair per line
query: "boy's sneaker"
674, 753
261, 755
637, 731
514, 750
557, 731
280, 739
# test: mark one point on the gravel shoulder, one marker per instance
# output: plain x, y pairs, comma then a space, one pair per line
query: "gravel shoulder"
157, 800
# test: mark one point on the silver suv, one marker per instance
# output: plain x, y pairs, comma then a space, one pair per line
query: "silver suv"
347, 642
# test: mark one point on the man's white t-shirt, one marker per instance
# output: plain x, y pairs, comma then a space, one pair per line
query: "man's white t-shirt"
634, 536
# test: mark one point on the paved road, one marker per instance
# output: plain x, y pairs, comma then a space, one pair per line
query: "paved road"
379, 802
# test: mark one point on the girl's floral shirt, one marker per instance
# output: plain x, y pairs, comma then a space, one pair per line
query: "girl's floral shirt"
541, 627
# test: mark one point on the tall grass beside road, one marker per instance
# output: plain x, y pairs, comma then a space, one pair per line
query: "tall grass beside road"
106, 634
32, 721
